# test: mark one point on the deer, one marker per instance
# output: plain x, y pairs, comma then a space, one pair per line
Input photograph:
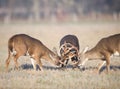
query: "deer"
25, 45
69, 49
103, 50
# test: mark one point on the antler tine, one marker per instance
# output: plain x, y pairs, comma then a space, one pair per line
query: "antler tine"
69, 48
63, 45
73, 47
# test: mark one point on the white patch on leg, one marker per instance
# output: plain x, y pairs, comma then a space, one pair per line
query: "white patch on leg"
33, 63
101, 65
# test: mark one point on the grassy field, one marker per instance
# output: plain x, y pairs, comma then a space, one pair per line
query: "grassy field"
52, 77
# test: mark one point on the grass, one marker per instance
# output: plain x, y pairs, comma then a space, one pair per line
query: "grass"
68, 79
52, 77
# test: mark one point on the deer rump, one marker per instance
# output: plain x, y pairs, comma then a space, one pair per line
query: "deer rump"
69, 47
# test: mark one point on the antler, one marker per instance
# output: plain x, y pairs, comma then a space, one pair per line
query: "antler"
67, 49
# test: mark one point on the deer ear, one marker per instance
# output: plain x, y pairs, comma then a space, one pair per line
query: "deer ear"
85, 49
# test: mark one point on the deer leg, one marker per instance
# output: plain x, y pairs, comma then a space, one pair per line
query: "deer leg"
8, 61
108, 64
15, 60
16, 63
107, 57
100, 66
39, 63
33, 63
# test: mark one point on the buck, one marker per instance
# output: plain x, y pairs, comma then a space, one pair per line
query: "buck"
69, 48
103, 50
23, 45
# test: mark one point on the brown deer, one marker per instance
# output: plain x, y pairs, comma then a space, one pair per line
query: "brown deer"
103, 50
23, 45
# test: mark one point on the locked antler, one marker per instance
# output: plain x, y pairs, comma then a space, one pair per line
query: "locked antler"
67, 49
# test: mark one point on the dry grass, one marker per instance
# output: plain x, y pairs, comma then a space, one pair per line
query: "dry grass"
52, 77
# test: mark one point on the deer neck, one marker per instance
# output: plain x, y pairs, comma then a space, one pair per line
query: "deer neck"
52, 57
93, 54
52, 53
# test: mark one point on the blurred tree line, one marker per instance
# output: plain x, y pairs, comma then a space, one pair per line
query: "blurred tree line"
58, 10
